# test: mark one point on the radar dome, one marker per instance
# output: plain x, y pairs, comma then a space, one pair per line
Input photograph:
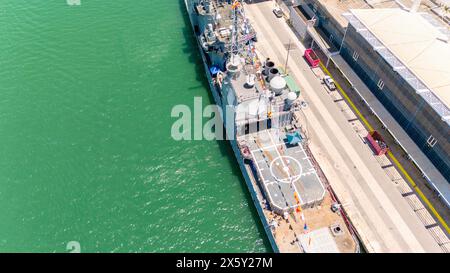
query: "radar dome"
277, 84
292, 96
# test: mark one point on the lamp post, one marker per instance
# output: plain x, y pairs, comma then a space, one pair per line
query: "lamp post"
287, 57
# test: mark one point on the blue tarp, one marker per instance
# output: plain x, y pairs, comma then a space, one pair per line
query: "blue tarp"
214, 70
294, 138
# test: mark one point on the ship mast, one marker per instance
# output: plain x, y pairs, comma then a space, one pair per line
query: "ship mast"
234, 32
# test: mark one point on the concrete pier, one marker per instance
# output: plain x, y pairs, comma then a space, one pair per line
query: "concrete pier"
382, 217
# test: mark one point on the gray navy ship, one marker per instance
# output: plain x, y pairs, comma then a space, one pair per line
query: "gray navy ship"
263, 120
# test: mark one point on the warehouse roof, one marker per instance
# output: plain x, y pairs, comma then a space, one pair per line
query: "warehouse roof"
416, 46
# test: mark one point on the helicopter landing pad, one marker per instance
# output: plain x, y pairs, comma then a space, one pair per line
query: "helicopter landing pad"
286, 173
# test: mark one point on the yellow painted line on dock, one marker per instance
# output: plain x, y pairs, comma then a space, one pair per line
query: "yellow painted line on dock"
390, 154
338, 86
419, 192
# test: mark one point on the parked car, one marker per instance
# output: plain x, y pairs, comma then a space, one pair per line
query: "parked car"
329, 82
278, 12
376, 141
311, 57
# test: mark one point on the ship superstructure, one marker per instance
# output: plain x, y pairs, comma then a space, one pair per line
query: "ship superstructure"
266, 131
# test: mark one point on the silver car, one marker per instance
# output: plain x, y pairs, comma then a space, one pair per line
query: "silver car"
278, 12
329, 82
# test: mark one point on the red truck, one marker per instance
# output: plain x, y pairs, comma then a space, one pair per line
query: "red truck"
311, 57
377, 143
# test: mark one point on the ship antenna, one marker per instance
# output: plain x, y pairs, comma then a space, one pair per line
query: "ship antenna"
234, 35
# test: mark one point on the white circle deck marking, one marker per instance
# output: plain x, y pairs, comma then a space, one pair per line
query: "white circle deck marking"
288, 177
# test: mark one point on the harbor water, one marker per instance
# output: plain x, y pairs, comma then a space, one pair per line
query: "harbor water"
86, 153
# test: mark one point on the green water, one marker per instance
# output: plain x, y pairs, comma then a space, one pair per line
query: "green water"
85, 148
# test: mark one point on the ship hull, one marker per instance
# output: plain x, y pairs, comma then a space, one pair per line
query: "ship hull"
257, 198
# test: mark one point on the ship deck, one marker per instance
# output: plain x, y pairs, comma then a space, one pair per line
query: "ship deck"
285, 170
295, 174
318, 238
